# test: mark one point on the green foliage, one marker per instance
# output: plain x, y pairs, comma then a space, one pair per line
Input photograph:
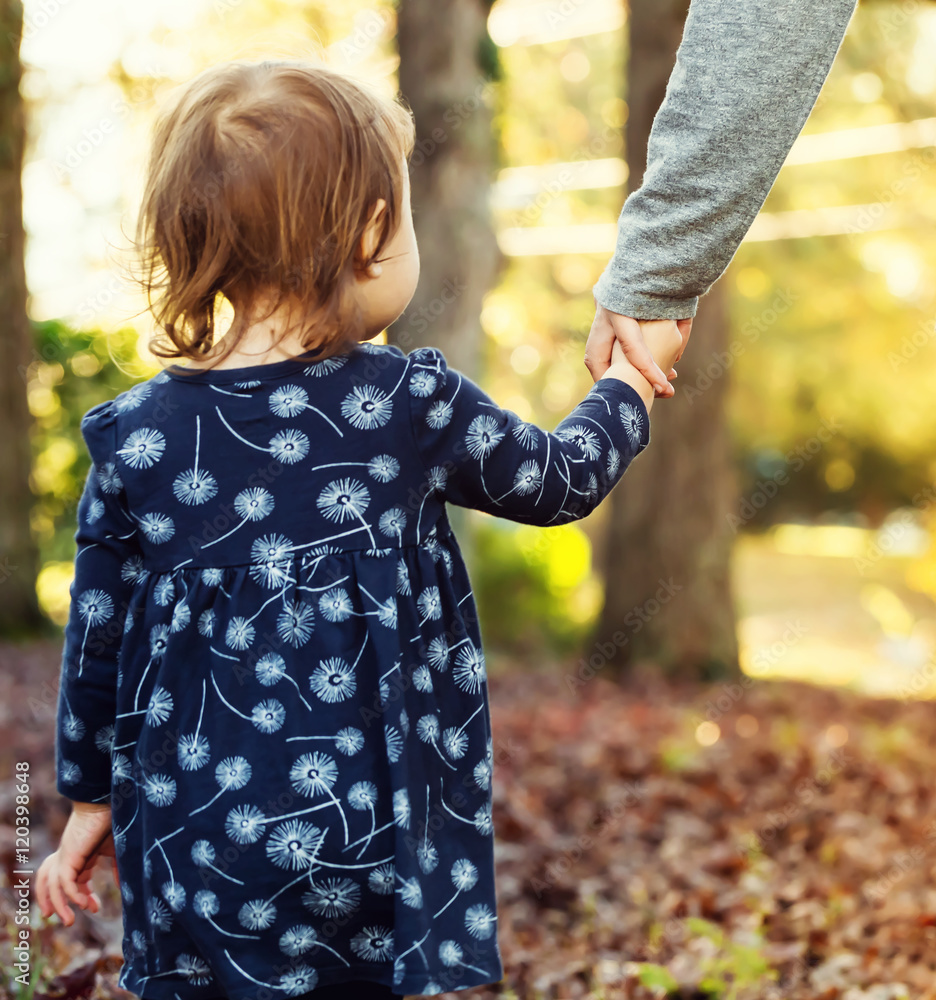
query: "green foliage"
533, 586
733, 967
488, 58
70, 372
729, 969
657, 977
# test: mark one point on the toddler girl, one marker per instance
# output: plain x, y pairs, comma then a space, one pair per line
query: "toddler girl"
273, 708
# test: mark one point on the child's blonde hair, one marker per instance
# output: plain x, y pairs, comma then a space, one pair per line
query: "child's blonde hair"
261, 180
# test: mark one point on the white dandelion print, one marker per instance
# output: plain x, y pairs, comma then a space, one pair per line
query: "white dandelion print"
206, 904
383, 468
231, 774
143, 448
289, 446
428, 731
333, 897
381, 880
367, 407
452, 954
164, 591
464, 875
315, 774
484, 434
133, 397
469, 671
157, 528
632, 421
333, 680
296, 623
294, 845
480, 921
195, 485
326, 366
240, 633
422, 383
251, 505
256, 915
343, 499
373, 944
109, 478
95, 511
271, 556
439, 415
429, 603
160, 789
336, 605
204, 855
95, 607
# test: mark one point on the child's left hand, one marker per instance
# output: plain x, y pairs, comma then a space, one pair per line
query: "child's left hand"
88, 835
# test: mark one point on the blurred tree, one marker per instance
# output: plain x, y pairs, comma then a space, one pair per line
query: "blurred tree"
667, 555
447, 63
19, 610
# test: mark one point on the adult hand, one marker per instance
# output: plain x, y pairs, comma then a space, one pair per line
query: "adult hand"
608, 327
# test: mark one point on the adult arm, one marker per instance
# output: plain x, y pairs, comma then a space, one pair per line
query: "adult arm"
747, 75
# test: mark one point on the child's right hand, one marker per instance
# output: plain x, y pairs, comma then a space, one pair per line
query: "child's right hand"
664, 339
665, 342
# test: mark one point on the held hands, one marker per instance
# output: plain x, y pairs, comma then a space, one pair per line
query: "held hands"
661, 340
630, 334
88, 835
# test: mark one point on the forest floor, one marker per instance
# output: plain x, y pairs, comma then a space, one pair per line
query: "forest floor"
783, 850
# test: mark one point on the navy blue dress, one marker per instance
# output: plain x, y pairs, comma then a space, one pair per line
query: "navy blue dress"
273, 667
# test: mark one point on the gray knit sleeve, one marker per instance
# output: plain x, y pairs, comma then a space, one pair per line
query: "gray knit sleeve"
747, 75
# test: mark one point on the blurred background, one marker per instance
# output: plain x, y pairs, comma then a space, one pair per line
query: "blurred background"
828, 306
781, 526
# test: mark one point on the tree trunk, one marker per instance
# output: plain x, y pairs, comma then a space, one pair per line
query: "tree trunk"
444, 76
19, 611
667, 558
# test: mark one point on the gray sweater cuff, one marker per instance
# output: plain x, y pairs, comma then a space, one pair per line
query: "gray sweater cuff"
611, 293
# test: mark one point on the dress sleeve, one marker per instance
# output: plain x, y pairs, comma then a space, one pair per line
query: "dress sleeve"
478, 455
108, 561
747, 75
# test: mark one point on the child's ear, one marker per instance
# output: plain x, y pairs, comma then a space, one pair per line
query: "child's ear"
371, 234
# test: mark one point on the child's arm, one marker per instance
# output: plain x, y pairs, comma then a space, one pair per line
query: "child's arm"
478, 455
108, 561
